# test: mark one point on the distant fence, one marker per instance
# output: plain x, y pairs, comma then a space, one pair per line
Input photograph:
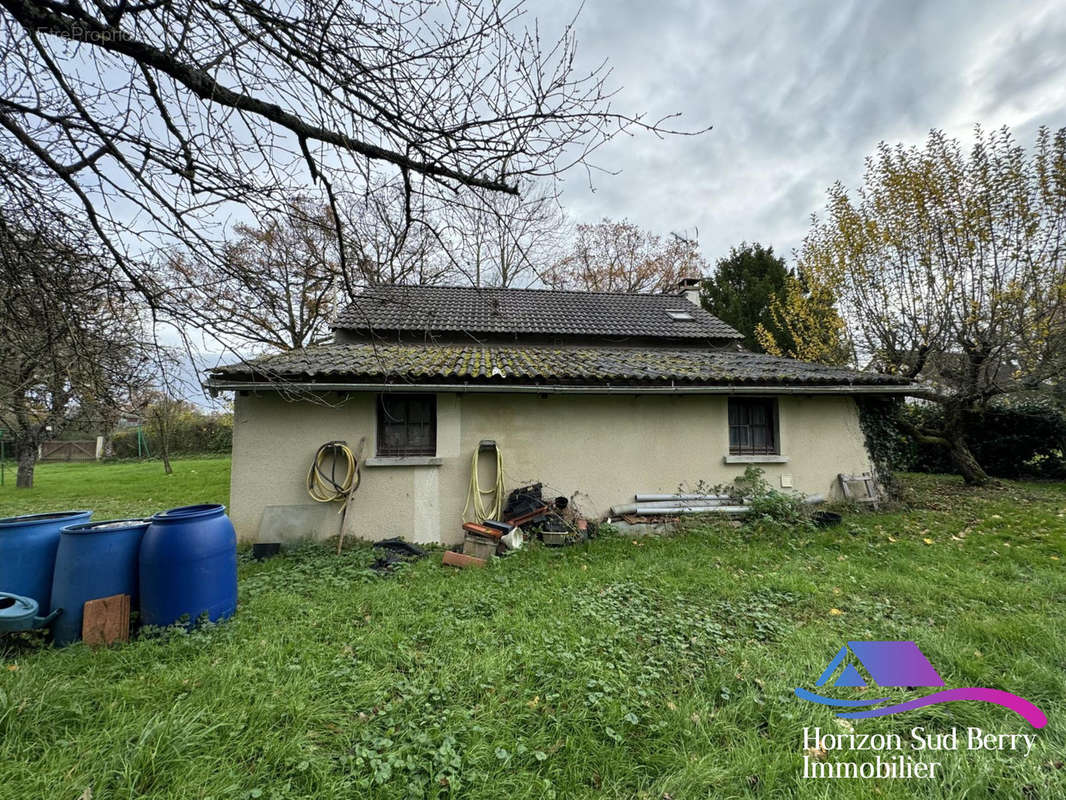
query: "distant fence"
69, 451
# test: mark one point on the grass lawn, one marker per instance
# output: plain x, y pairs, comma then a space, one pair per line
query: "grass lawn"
119, 489
660, 668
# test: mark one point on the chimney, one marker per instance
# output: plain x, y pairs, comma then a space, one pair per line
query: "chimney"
690, 287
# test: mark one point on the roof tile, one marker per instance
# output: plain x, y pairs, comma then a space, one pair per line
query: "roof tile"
528, 311
415, 363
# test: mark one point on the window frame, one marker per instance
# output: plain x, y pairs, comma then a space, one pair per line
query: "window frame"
404, 401
773, 429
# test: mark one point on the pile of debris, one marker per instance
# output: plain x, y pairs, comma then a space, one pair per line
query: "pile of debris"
527, 515
395, 553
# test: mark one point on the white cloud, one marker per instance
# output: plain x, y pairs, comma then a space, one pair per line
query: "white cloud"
799, 94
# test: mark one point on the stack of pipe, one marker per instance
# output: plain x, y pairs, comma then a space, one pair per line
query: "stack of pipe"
669, 504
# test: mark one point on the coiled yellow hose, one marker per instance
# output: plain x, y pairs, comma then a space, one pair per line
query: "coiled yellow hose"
475, 495
325, 488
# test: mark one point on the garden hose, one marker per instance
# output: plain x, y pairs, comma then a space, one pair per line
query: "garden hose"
476, 494
325, 487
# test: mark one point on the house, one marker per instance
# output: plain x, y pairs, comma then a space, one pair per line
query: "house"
595, 395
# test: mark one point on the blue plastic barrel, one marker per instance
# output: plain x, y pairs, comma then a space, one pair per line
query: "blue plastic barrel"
95, 559
188, 566
28, 552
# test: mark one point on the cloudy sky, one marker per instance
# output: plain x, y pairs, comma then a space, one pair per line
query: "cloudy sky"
799, 93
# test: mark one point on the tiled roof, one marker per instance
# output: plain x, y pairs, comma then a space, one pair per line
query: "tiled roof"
583, 366
528, 311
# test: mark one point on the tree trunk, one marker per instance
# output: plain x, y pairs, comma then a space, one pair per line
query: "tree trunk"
953, 437
164, 451
960, 452
26, 453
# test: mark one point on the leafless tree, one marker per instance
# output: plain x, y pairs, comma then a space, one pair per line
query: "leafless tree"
618, 256
162, 415
275, 286
508, 240
68, 343
392, 238
158, 118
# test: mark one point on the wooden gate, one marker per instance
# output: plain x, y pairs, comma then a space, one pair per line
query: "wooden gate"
68, 451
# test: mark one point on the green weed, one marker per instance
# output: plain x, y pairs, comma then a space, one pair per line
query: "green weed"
657, 668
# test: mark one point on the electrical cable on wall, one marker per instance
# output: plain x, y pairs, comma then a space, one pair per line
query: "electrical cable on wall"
475, 495
326, 487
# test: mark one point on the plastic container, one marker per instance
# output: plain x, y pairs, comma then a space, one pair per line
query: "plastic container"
479, 546
261, 551
19, 613
826, 519
188, 566
28, 552
95, 559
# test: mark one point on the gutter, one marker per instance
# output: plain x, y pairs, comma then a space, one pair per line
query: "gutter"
216, 386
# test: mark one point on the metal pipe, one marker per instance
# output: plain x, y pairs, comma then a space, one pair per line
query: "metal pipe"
653, 498
662, 505
645, 511
675, 504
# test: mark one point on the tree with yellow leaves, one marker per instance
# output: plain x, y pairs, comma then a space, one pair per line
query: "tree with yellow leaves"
948, 268
809, 326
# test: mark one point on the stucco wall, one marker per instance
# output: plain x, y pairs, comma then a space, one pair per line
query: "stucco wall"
604, 448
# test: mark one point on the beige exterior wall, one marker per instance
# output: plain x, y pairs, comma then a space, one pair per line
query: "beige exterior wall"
603, 448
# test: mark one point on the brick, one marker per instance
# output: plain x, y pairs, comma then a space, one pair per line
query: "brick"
453, 559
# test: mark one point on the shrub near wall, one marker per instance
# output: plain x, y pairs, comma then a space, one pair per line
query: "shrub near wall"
890, 449
192, 434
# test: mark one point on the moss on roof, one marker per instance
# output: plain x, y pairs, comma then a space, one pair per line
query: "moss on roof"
592, 366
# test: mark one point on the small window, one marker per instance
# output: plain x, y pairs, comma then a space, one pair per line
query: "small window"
679, 315
752, 426
407, 425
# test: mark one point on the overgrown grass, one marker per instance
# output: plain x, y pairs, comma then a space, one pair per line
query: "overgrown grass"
117, 489
649, 669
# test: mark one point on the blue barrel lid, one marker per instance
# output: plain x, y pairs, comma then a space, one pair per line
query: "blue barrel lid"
189, 512
107, 526
49, 517
16, 610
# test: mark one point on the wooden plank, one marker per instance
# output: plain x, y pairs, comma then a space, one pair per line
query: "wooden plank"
869, 488
482, 530
106, 620
87, 449
533, 515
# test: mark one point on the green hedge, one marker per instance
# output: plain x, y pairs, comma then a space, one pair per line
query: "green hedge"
192, 433
1016, 440
1020, 440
